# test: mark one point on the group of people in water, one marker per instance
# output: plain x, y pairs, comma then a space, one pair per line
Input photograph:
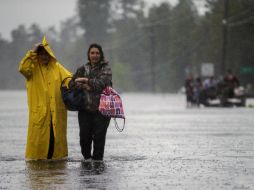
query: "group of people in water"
47, 125
198, 91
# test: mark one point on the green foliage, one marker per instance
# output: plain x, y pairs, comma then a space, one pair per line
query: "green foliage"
122, 78
239, 26
94, 16
147, 51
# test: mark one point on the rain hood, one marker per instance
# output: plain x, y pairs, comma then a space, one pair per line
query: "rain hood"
47, 47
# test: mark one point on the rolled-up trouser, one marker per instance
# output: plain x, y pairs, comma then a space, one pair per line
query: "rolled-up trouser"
93, 128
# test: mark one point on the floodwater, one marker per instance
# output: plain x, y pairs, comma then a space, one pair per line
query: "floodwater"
164, 146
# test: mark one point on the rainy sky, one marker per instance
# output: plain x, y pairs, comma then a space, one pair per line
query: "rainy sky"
45, 13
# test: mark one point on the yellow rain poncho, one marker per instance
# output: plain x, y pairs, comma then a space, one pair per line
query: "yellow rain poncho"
45, 105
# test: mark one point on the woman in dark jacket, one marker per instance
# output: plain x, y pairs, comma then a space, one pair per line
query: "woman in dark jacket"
93, 77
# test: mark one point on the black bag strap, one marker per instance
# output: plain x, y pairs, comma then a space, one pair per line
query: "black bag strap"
63, 81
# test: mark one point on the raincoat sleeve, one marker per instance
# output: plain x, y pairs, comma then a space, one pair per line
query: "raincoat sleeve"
64, 73
101, 81
26, 65
77, 74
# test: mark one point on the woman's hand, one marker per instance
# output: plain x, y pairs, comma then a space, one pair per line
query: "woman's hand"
82, 80
82, 83
83, 86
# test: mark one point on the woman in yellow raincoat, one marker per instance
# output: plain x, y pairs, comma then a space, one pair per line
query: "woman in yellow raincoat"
47, 128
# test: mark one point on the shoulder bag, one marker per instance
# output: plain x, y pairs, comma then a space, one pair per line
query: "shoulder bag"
72, 97
111, 105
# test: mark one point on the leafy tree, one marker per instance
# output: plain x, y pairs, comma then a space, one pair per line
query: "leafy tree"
19, 46
239, 36
125, 45
35, 34
94, 17
159, 46
159, 27
4, 63
183, 24
71, 45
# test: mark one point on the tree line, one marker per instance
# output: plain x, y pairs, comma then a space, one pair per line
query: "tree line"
148, 51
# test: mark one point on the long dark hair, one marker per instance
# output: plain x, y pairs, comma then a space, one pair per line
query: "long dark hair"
100, 50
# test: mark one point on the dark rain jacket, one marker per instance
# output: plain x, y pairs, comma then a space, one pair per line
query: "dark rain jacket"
100, 76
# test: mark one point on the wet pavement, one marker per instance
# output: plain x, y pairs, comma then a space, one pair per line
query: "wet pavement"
164, 146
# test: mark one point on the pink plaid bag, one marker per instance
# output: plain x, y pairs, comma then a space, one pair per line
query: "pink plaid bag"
111, 105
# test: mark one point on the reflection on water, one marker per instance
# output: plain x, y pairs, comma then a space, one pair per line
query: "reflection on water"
92, 168
164, 146
92, 175
46, 166
46, 174
55, 174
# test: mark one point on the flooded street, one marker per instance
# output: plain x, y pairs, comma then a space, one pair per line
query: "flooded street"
164, 146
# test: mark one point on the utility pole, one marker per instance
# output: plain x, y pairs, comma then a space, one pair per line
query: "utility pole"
151, 27
224, 37
152, 57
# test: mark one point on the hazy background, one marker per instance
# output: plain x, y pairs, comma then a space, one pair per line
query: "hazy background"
15, 12
151, 45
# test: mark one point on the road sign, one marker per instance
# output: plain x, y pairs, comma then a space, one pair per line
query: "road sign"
207, 69
247, 70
